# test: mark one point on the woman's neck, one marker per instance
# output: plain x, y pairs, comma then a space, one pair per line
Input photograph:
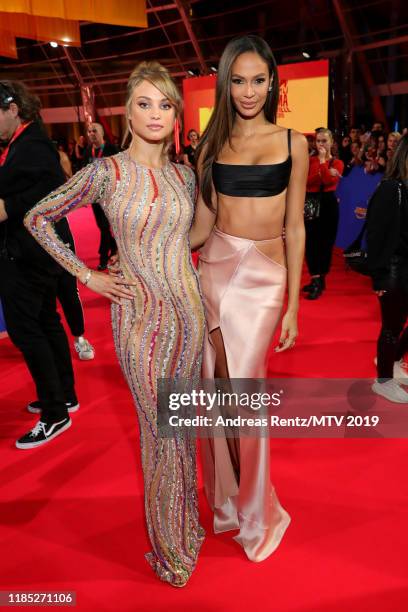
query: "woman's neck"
245, 128
148, 153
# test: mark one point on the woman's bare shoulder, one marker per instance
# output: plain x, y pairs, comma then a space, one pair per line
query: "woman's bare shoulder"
299, 142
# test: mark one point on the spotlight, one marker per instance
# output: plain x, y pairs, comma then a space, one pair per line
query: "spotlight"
306, 54
193, 72
214, 68
54, 44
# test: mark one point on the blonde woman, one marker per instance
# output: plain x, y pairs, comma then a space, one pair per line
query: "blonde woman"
157, 314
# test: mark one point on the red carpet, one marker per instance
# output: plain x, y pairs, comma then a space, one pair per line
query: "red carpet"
72, 512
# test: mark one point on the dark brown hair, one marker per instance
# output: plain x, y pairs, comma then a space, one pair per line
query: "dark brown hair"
219, 128
398, 165
28, 104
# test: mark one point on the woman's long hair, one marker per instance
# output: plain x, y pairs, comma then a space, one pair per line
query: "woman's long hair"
398, 164
219, 128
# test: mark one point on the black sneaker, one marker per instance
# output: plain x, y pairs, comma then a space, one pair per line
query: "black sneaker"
42, 433
36, 407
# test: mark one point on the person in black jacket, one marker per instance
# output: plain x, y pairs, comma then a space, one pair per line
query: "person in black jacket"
98, 147
29, 170
387, 251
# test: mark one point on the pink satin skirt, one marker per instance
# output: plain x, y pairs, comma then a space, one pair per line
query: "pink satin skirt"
243, 291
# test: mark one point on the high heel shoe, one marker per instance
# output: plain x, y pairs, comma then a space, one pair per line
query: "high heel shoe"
317, 286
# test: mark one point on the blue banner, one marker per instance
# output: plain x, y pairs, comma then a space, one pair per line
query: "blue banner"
2, 323
353, 193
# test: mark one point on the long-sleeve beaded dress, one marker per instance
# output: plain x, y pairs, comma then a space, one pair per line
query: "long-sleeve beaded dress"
158, 334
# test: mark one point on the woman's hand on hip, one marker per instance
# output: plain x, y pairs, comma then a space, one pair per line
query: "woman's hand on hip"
110, 286
289, 332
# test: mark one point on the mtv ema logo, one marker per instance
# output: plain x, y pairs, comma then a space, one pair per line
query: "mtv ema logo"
283, 98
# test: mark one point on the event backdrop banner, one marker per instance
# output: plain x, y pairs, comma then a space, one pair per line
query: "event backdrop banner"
303, 97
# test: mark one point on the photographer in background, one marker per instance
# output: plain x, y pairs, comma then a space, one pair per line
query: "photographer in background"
29, 170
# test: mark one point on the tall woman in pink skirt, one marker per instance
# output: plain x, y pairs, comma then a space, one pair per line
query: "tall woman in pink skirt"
252, 184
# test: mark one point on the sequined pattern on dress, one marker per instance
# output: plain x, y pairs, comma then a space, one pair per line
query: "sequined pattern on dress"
158, 334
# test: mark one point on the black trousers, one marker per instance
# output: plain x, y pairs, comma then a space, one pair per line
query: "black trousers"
35, 328
68, 297
107, 245
392, 342
321, 235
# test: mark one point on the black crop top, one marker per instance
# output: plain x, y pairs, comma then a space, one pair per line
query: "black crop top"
253, 181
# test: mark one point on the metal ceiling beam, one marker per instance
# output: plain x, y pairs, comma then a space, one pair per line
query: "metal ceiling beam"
74, 68
349, 31
382, 43
391, 89
163, 7
166, 34
192, 36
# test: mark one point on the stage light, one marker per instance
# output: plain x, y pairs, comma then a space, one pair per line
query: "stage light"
193, 72
53, 44
306, 55
214, 68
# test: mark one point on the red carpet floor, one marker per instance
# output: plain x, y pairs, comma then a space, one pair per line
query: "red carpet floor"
72, 512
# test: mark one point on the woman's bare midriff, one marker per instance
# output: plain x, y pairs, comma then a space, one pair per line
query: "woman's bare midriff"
257, 219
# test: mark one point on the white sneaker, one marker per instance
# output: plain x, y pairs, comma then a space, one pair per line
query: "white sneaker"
400, 370
84, 349
391, 390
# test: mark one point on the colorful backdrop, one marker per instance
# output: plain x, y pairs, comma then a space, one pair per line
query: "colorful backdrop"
303, 99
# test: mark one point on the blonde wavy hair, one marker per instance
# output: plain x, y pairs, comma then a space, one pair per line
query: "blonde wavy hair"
159, 76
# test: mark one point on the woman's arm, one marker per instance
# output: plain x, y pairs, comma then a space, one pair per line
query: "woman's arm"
330, 175
84, 188
92, 184
204, 218
186, 160
314, 180
294, 236
66, 164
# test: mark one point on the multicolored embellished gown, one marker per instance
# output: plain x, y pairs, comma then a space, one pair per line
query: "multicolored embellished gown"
158, 334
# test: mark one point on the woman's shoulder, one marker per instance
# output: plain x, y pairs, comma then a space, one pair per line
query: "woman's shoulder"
186, 172
112, 163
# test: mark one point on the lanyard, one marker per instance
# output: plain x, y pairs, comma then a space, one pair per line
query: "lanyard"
16, 134
100, 151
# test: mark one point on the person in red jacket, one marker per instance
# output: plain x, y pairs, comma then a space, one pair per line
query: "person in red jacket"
324, 174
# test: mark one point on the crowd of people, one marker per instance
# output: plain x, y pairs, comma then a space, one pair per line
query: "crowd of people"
256, 180
371, 149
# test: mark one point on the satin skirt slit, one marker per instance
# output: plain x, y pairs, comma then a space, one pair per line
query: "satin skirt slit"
243, 284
